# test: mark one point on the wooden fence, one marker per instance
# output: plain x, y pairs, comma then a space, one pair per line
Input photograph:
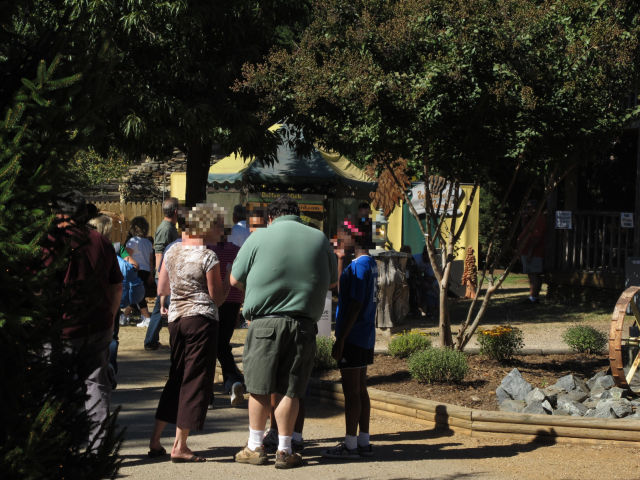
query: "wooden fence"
596, 243
123, 212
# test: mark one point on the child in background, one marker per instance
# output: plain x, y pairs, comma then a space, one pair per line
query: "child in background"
355, 339
140, 248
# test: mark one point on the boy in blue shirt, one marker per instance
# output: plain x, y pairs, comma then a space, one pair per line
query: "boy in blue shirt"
355, 339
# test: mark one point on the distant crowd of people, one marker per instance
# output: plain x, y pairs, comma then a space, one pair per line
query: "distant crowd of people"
269, 264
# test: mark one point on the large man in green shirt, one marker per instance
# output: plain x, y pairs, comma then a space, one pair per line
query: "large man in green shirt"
286, 270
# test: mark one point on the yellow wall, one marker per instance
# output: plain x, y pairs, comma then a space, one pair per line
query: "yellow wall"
469, 235
394, 228
179, 185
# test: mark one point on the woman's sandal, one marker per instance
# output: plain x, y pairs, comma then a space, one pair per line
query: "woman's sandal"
156, 452
191, 459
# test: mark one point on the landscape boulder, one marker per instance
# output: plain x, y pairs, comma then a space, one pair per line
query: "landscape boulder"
513, 387
535, 407
597, 397
510, 405
573, 407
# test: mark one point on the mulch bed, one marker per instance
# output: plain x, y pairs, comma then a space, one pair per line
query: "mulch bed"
478, 390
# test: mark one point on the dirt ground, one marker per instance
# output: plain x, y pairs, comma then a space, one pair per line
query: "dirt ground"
478, 390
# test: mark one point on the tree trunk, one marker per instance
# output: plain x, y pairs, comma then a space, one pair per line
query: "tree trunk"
445, 339
198, 162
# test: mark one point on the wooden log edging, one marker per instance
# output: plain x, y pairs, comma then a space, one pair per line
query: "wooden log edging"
471, 421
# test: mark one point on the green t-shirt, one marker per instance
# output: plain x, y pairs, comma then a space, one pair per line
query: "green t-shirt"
286, 269
165, 234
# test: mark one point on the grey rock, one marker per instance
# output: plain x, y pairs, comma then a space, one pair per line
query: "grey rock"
621, 408
514, 386
534, 407
566, 383
590, 403
547, 406
596, 394
592, 381
577, 395
535, 395
605, 395
512, 406
574, 408
562, 412
605, 381
590, 413
581, 385
502, 395
552, 393
604, 410
616, 393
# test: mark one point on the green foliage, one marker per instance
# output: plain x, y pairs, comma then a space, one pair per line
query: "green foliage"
179, 62
469, 87
323, 359
585, 339
438, 365
406, 343
500, 343
91, 170
43, 426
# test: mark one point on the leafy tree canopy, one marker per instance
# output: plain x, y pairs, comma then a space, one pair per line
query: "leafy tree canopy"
179, 60
468, 86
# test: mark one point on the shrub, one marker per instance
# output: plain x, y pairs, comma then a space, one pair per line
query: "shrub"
438, 365
324, 360
406, 343
585, 339
500, 343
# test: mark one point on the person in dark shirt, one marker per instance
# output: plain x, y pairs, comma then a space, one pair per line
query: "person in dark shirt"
166, 234
90, 285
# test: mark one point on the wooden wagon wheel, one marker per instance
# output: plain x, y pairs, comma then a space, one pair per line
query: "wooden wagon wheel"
624, 337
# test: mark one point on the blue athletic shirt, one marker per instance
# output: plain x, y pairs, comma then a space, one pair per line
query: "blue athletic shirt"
359, 281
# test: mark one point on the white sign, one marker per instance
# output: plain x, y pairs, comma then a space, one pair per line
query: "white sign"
626, 219
437, 199
563, 220
324, 324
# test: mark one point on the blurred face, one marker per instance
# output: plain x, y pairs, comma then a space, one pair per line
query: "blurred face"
364, 213
216, 232
256, 221
63, 220
345, 241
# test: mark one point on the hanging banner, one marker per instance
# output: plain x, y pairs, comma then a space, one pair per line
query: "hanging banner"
418, 195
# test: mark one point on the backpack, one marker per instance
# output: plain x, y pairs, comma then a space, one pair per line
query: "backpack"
132, 285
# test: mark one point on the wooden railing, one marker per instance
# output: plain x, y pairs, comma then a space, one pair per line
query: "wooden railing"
596, 243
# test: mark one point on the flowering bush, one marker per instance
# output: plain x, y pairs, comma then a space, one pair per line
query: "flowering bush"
500, 343
406, 343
